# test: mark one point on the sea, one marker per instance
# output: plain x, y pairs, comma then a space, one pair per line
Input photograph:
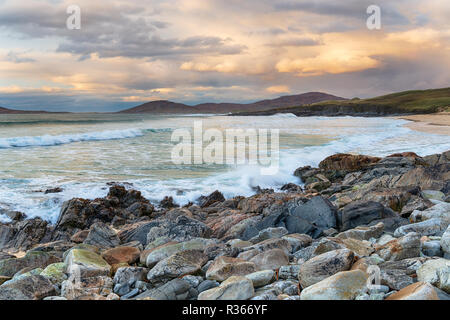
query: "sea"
84, 153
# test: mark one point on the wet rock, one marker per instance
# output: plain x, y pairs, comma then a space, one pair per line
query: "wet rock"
179, 264
24, 235
346, 285
347, 162
270, 260
213, 198
291, 187
234, 288
416, 291
403, 248
102, 236
54, 190
168, 203
33, 287
118, 255
84, 263
436, 272
182, 228
225, 267
325, 265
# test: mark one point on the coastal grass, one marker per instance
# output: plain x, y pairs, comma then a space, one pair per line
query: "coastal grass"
427, 101
413, 102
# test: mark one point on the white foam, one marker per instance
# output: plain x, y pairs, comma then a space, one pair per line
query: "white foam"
49, 140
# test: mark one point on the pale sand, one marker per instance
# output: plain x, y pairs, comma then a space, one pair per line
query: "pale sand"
438, 123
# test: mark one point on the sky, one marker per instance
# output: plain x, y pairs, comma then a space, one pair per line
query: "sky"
128, 52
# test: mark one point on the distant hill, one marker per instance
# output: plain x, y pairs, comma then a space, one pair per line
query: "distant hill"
12, 111
406, 102
164, 106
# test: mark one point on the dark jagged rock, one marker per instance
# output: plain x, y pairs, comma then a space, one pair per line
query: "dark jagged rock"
213, 198
33, 287
168, 203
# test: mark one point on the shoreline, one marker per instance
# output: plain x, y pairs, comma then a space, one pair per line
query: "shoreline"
284, 245
437, 123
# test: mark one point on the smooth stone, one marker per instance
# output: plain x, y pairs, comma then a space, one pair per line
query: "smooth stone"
440, 210
35, 287
176, 289
224, 267
234, 288
298, 241
206, 285
119, 255
445, 243
363, 233
269, 233
270, 260
345, 285
402, 248
416, 291
261, 278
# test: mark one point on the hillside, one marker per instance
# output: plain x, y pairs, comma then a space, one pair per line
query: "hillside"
407, 102
12, 111
173, 108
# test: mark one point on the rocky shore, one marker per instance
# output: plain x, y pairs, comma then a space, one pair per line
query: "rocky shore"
358, 228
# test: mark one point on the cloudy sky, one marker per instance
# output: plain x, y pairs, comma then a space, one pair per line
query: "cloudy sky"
131, 51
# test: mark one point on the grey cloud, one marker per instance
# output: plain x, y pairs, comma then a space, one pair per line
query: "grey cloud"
114, 31
16, 58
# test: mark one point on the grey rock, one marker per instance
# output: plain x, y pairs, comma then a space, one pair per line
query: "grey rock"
103, 236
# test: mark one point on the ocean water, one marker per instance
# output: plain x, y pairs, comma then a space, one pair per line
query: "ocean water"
81, 153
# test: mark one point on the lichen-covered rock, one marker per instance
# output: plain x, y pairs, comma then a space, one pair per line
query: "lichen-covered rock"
224, 267
32, 260
89, 288
85, 264
346, 285
55, 272
234, 288
324, 266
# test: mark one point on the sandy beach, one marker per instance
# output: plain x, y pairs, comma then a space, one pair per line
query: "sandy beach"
438, 123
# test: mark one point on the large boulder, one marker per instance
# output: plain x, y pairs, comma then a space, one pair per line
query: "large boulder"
437, 273
123, 254
347, 162
346, 285
234, 288
363, 233
177, 265
103, 236
405, 247
9, 267
153, 256
225, 267
324, 266
270, 260
34, 287
23, 235
85, 264
428, 227
438, 211
416, 291
363, 213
